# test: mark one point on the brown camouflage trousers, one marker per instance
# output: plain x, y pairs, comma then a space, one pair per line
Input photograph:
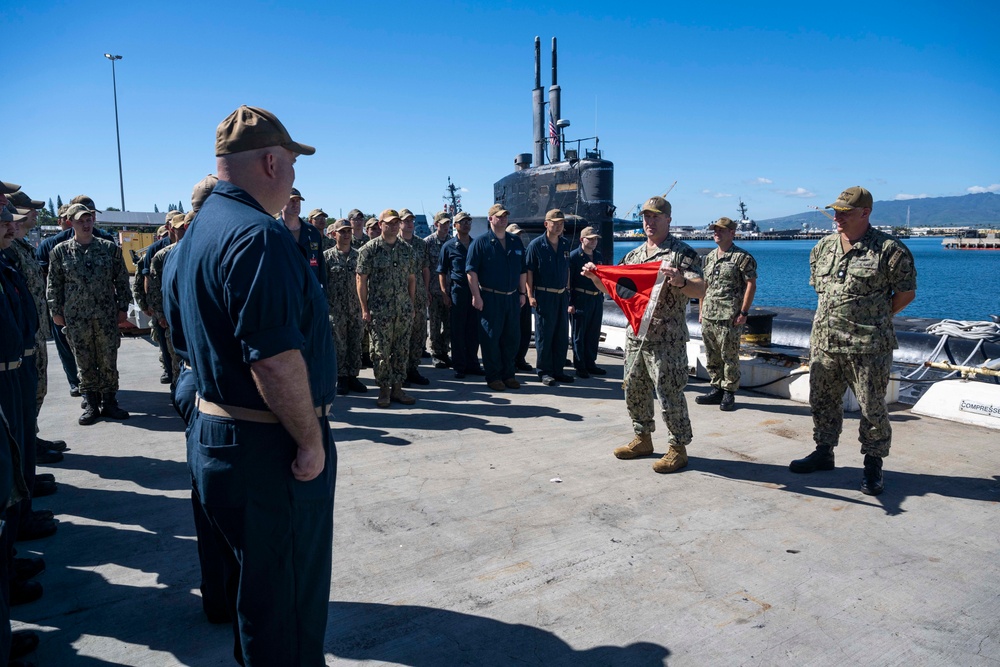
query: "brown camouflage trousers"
175, 361
440, 324
830, 374
347, 334
657, 370
418, 331
95, 345
722, 347
390, 334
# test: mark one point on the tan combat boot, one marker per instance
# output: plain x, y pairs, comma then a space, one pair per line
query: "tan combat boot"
400, 396
641, 445
383, 397
675, 459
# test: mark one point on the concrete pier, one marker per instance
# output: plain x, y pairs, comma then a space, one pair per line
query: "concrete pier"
482, 528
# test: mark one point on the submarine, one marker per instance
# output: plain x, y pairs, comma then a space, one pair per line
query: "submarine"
566, 174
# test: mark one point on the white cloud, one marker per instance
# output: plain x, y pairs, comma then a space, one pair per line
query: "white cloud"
721, 195
902, 196
463, 189
763, 181
797, 192
978, 189
706, 191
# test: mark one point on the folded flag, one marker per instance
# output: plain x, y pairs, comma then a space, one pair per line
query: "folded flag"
636, 290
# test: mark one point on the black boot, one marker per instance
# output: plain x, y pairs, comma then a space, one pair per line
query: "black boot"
413, 376
728, 401
342, 385
110, 408
820, 459
872, 483
713, 397
91, 408
354, 384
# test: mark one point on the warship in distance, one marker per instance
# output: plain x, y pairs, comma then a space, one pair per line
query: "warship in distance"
580, 185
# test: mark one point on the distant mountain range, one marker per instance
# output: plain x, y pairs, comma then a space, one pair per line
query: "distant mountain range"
978, 210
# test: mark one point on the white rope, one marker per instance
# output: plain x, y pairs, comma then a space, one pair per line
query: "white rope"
988, 331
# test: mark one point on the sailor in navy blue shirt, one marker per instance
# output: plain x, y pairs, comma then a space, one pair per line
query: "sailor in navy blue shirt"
586, 305
249, 317
548, 293
496, 273
309, 238
458, 298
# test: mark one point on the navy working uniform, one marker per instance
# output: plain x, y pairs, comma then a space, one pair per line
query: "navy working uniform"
464, 318
311, 241
142, 272
499, 268
549, 269
237, 291
588, 311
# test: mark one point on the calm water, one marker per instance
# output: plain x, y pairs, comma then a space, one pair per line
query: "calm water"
952, 284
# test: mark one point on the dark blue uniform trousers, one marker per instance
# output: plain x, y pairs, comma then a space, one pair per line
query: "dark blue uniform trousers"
464, 331
276, 535
551, 332
499, 334
587, 320
525, 342
210, 558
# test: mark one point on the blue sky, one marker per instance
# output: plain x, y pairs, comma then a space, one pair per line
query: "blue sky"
782, 104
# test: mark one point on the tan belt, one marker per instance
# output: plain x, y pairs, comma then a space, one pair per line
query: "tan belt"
247, 414
30, 352
496, 291
551, 289
10, 365
586, 291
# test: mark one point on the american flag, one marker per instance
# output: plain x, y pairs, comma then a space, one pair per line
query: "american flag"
553, 135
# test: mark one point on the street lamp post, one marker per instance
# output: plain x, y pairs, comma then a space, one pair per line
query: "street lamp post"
114, 84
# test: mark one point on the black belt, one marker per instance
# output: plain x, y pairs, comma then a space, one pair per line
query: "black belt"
496, 291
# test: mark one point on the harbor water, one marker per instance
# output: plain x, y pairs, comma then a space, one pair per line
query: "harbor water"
951, 284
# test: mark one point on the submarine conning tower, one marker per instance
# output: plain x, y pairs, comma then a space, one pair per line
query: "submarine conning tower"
559, 173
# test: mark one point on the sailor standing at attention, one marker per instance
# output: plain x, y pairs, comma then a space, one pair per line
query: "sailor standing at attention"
863, 278
306, 235
656, 365
586, 305
497, 278
548, 292
731, 281
249, 317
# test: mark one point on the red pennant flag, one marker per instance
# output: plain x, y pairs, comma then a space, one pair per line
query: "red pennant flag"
634, 287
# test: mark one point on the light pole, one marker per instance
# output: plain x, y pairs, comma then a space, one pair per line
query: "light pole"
114, 84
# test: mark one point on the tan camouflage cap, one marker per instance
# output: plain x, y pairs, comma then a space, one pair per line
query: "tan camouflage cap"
498, 211
656, 205
201, 190
405, 213
555, 214
8, 188
317, 212
77, 211
589, 233
724, 223
340, 225
389, 215
86, 201
372, 222
512, 228
851, 198
462, 217
21, 200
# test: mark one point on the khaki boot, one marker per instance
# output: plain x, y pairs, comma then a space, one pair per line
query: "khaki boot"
400, 396
675, 459
641, 445
383, 397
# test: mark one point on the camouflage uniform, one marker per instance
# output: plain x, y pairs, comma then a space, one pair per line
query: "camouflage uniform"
437, 312
726, 274
388, 268
657, 364
88, 286
154, 297
852, 336
22, 256
345, 309
418, 334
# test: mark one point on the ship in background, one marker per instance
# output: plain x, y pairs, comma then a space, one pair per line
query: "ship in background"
557, 175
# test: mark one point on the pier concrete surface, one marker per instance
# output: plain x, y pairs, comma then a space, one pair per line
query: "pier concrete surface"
483, 528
